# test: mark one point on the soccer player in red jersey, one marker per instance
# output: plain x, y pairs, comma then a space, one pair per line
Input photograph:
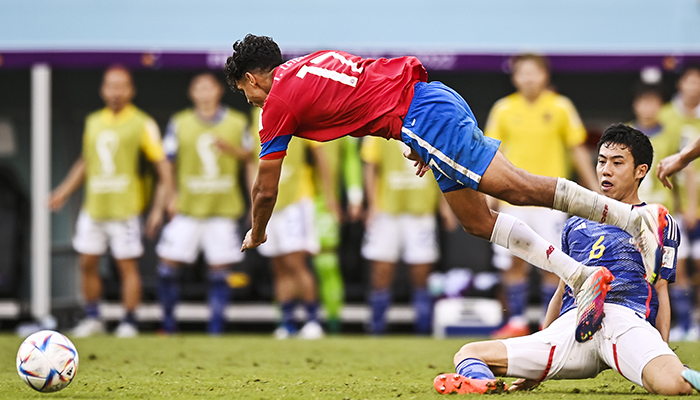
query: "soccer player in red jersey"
329, 94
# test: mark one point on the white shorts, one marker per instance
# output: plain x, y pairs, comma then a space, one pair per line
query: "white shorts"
688, 248
411, 238
544, 221
183, 238
123, 238
291, 230
625, 343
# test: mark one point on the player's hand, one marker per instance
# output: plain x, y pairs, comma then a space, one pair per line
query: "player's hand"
57, 200
523, 385
668, 167
250, 243
421, 166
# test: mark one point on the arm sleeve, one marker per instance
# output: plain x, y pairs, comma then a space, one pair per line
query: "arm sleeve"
277, 125
170, 144
672, 239
151, 144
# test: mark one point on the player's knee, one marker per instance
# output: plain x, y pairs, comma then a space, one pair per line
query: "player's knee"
469, 350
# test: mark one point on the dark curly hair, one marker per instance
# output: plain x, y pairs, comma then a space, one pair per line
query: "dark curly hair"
638, 143
253, 53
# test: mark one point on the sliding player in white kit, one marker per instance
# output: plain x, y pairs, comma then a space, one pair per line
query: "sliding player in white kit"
635, 328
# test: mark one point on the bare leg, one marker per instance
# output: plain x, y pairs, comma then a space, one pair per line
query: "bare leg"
91, 282
131, 283
382, 274
519, 187
662, 375
492, 352
293, 279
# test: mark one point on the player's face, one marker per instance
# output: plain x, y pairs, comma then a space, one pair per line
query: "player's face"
530, 78
117, 89
617, 175
255, 95
689, 87
205, 91
646, 108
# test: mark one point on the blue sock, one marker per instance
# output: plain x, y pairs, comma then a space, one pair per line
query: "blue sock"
130, 318
423, 305
92, 310
682, 305
517, 296
219, 294
379, 301
475, 369
169, 294
288, 315
546, 293
311, 311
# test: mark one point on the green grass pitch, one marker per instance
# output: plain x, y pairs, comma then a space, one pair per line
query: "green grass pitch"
259, 367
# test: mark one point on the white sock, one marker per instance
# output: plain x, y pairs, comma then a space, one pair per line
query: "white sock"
577, 200
523, 242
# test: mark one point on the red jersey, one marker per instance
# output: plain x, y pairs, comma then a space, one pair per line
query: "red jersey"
329, 94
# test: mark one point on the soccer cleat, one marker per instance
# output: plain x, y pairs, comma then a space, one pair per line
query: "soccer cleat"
282, 333
311, 330
590, 301
650, 238
456, 383
88, 327
693, 377
126, 330
511, 330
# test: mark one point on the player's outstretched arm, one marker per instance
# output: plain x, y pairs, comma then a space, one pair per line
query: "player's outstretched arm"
663, 316
70, 184
263, 199
676, 162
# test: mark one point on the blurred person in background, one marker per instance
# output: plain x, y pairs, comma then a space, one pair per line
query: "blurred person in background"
401, 225
208, 148
113, 139
540, 132
681, 120
292, 236
345, 171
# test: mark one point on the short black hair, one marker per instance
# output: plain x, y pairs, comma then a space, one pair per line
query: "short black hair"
649, 89
638, 143
688, 68
253, 53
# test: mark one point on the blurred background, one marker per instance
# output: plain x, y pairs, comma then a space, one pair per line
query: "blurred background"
59, 49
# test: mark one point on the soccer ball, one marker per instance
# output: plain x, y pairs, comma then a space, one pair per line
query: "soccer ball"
47, 361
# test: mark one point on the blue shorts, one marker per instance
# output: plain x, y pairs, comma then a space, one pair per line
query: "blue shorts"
441, 127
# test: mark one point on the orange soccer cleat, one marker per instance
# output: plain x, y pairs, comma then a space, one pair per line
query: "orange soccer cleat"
456, 383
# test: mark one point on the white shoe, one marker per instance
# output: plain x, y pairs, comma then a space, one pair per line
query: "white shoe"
88, 327
282, 333
126, 330
311, 330
649, 238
